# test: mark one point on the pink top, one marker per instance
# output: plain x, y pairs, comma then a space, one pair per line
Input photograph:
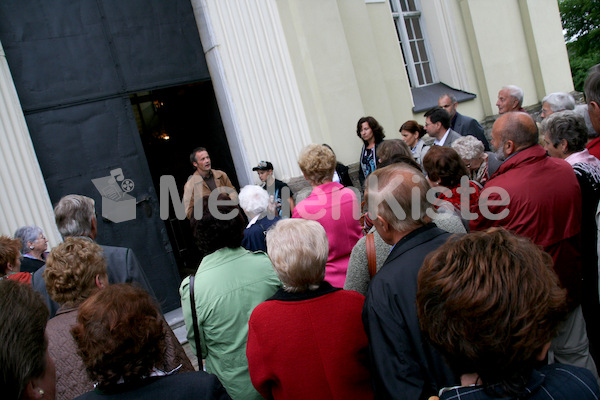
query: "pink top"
337, 209
583, 156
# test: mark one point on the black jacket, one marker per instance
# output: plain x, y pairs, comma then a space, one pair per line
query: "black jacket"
404, 365
342, 172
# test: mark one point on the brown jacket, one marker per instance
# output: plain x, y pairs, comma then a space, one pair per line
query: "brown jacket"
195, 189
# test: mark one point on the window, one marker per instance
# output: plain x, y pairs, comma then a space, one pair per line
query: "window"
413, 41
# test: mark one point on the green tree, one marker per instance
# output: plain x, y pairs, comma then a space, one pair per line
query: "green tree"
581, 23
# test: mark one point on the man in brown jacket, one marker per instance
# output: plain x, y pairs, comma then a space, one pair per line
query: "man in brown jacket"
204, 181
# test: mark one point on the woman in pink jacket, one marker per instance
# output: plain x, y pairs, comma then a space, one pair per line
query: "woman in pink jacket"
332, 205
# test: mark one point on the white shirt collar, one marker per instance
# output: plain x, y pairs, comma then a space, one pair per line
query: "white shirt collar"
442, 140
253, 221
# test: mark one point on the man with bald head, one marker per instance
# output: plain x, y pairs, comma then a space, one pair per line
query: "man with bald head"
404, 365
510, 98
542, 201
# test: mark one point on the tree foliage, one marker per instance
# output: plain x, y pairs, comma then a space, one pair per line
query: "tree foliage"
581, 23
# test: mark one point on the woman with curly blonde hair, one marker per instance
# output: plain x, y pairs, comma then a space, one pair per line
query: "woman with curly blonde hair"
75, 270
332, 205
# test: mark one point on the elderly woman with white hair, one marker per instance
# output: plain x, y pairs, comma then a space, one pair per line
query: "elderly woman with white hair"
332, 205
34, 248
254, 200
480, 164
556, 102
307, 341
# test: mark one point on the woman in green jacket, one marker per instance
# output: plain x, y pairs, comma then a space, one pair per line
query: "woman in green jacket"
228, 284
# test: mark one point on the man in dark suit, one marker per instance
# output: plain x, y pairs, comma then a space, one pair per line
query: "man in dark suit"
461, 123
437, 125
76, 216
404, 365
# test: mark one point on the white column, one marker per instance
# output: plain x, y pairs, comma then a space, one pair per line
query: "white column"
252, 74
24, 198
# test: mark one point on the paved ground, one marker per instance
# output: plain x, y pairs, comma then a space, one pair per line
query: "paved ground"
190, 354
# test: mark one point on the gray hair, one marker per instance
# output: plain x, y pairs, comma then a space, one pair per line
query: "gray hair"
298, 249
450, 96
591, 87
515, 92
27, 234
74, 215
567, 125
468, 147
559, 101
253, 199
582, 109
398, 182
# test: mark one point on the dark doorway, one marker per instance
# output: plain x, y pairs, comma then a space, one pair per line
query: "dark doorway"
172, 122
75, 66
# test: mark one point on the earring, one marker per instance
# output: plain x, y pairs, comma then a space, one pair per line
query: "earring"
31, 247
41, 392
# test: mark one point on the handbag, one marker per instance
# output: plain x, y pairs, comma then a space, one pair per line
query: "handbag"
371, 254
195, 321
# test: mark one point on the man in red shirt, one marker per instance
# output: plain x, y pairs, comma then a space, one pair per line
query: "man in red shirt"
543, 204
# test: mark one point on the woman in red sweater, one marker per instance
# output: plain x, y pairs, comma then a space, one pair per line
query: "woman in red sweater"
308, 340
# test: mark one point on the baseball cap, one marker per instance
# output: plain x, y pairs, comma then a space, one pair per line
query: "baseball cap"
263, 166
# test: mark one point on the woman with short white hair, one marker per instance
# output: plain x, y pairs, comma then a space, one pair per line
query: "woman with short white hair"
480, 165
254, 200
34, 248
309, 314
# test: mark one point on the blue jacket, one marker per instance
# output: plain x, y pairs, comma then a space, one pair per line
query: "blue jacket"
254, 237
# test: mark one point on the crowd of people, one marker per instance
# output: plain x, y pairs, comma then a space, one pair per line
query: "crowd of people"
465, 273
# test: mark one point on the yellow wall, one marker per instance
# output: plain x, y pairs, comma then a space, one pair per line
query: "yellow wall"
348, 62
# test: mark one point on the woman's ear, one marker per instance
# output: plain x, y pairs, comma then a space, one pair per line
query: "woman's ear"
32, 391
563, 145
101, 281
542, 354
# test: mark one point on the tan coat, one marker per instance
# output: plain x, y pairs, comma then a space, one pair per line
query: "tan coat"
195, 189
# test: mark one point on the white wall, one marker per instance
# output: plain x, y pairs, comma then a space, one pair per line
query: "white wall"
256, 89
24, 199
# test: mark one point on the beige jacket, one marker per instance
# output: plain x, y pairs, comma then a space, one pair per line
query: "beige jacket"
195, 189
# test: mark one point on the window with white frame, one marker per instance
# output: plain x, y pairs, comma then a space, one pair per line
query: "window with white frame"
413, 41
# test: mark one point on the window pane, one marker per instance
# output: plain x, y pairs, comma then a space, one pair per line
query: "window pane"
417, 28
427, 72
409, 28
404, 5
411, 5
415, 52
419, 74
422, 51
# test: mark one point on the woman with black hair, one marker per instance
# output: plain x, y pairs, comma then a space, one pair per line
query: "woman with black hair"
229, 283
371, 133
